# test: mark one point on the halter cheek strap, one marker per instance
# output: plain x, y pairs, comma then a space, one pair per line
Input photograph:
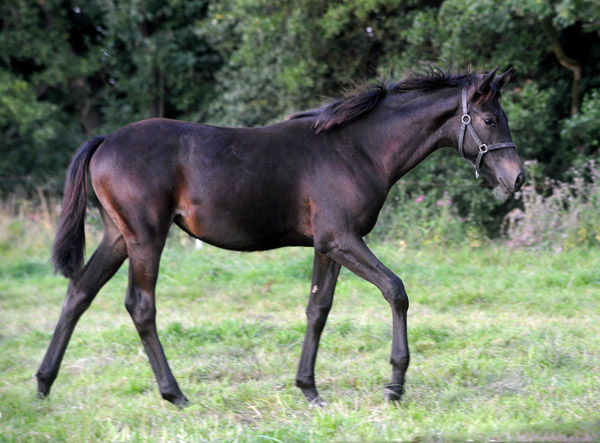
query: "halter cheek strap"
483, 148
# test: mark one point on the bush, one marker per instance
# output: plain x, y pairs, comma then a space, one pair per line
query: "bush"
581, 130
557, 215
415, 220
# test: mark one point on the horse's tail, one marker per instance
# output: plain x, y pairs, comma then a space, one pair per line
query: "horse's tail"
69, 245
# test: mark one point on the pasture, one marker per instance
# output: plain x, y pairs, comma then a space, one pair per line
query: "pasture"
505, 346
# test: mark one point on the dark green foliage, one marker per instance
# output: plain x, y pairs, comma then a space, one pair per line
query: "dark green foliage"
70, 71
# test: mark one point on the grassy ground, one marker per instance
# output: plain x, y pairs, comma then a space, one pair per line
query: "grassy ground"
505, 346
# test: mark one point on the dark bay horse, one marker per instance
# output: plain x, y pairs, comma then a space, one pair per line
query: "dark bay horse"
318, 179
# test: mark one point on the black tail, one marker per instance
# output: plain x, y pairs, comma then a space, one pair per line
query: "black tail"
69, 245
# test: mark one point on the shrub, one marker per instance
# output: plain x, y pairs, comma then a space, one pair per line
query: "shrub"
430, 219
557, 215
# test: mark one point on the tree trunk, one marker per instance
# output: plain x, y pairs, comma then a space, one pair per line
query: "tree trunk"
156, 87
570, 63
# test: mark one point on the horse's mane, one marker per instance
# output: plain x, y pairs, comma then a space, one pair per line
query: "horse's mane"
363, 98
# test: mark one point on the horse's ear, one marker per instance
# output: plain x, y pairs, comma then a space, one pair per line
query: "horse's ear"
503, 79
484, 86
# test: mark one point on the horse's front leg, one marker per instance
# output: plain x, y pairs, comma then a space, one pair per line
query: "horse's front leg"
324, 278
352, 253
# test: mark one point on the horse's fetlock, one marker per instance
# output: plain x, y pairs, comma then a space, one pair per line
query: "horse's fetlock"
305, 382
41, 376
394, 392
401, 362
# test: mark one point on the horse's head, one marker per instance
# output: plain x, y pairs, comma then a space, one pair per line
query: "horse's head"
484, 136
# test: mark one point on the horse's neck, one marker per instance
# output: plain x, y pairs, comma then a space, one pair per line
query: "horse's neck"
401, 134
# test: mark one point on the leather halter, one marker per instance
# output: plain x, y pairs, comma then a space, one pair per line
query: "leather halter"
483, 148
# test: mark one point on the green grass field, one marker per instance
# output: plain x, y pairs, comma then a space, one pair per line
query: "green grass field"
505, 346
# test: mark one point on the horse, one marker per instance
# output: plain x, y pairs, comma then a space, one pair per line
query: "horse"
317, 179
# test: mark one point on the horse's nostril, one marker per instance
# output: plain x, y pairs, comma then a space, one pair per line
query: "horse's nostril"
519, 181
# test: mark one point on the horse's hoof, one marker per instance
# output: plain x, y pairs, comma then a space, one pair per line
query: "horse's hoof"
179, 400
393, 392
317, 402
313, 397
43, 390
182, 402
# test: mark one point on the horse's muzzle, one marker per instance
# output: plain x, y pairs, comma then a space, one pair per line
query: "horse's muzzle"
511, 180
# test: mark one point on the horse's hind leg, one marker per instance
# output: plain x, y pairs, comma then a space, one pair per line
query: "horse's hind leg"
140, 303
324, 278
82, 289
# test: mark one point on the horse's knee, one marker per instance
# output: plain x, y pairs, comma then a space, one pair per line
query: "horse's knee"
141, 308
317, 315
395, 294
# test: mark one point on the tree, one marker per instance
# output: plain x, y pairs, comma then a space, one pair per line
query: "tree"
44, 78
67, 71
158, 61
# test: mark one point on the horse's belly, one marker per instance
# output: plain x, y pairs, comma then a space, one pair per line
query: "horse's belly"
243, 230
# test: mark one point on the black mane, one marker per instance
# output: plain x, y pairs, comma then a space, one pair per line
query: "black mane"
364, 98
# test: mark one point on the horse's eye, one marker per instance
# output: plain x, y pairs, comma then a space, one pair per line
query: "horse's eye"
489, 122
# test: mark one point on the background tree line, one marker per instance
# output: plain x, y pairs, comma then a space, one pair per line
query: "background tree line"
69, 70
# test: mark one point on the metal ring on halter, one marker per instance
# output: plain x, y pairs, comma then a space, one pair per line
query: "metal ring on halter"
466, 119
483, 148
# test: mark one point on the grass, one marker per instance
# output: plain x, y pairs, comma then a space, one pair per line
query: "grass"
504, 342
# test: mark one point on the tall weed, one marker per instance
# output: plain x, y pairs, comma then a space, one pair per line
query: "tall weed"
557, 215
27, 221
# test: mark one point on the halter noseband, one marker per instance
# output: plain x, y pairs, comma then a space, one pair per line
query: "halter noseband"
483, 148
